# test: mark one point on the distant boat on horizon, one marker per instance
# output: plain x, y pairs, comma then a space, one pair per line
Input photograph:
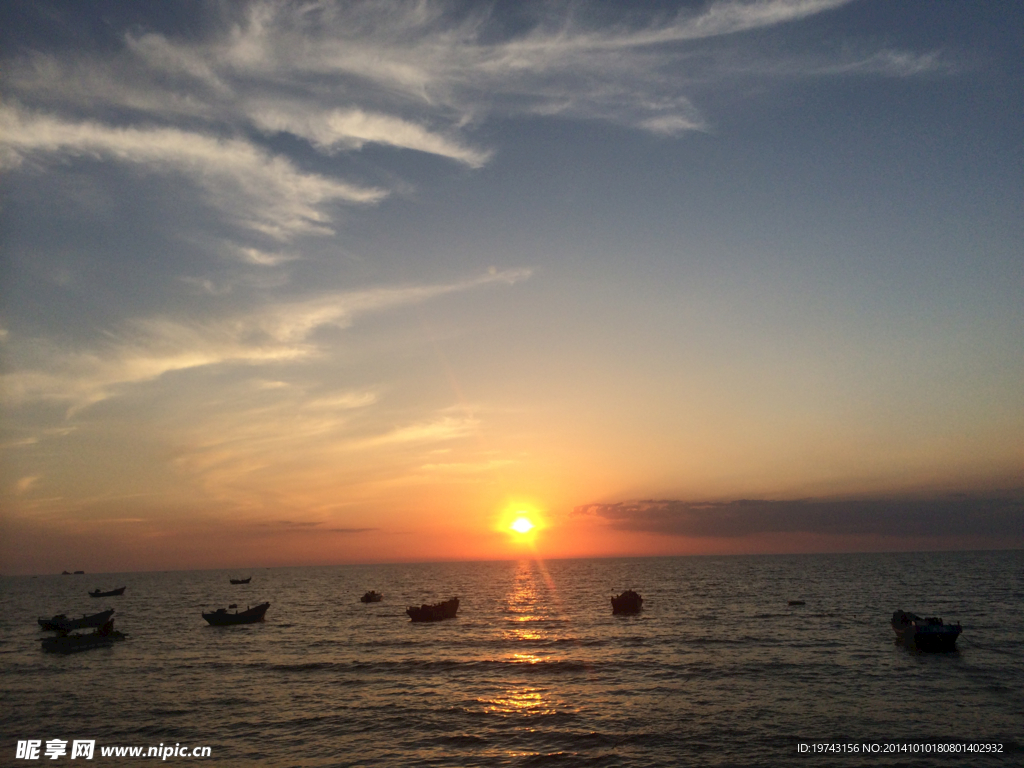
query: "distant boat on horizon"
241, 581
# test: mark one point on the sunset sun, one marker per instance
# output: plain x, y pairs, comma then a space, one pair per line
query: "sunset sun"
522, 525
521, 522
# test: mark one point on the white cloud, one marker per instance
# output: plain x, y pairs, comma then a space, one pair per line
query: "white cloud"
670, 125
889, 63
257, 190
416, 76
261, 258
353, 128
727, 18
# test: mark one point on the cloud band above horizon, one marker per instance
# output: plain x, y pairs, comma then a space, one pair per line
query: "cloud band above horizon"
994, 516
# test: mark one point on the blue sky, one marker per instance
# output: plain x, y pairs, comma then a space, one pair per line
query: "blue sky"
358, 278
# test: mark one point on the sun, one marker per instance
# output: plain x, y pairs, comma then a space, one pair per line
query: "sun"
522, 525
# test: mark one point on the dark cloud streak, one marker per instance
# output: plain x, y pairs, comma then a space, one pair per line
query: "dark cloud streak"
313, 527
1000, 516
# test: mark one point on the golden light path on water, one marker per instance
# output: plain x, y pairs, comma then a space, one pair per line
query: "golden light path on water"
526, 609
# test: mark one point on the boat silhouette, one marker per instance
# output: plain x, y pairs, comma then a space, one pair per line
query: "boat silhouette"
435, 612
628, 602
221, 617
112, 593
62, 623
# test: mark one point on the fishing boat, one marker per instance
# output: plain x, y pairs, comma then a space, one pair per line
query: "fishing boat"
435, 612
241, 581
221, 617
373, 596
65, 643
112, 593
62, 623
929, 634
628, 602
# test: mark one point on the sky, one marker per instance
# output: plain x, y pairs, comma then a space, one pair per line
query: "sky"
315, 283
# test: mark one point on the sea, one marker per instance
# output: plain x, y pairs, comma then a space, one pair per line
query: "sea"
717, 670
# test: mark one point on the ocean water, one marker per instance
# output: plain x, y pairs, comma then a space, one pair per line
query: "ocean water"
718, 669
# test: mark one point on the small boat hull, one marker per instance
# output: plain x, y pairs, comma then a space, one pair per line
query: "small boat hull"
221, 617
627, 603
240, 581
930, 634
371, 597
111, 593
105, 636
64, 624
435, 612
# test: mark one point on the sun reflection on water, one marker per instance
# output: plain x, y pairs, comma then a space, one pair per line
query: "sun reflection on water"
523, 700
524, 606
528, 609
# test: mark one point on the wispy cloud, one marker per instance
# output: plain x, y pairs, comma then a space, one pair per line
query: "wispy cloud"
261, 258
354, 128
418, 76
145, 349
410, 76
889, 63
257, 190
283, 453
442, 429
